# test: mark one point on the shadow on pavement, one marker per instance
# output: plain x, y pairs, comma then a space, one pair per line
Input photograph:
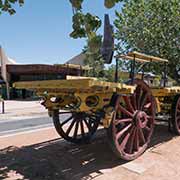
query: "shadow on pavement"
63, 161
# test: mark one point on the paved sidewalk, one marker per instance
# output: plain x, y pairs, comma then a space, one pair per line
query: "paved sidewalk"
22, 109
40, 155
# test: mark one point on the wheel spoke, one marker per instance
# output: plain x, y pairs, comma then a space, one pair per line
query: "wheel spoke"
125, 140
117, 121
143, 99
178, 117
76, 129
67, 120
91, 121
128, 103
133, 123
122, 131
178, 110
176, 114
131, 141
136, 140
82, 128
87, 124
70, 127
138, 96
123, 110
178, 123
133, 100
147, 128
149, 117
141, 136
118, 100
148, 105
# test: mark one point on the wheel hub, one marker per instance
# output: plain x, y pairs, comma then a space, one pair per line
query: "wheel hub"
140, 119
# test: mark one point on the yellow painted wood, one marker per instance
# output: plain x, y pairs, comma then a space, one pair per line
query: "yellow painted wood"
140, 57
158, 105
146, 57
79, 77
73, 66
167, 91
126, 57
74, 85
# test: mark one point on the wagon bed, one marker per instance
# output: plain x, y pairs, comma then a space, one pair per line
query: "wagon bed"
165, 91
75, 85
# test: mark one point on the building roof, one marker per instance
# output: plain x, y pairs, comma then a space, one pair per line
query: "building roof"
44, 68
79, 59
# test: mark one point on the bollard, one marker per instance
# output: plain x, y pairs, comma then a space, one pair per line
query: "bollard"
3, 110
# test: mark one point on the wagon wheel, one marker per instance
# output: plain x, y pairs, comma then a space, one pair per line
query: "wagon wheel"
75, 127
176, 114
133, 122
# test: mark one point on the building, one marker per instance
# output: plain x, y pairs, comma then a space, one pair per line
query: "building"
78, 60
12, 72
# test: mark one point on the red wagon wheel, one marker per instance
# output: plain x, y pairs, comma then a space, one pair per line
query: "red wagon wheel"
75, 127
133, 123
176, 114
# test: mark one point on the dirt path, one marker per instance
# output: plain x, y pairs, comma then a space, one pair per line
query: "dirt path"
40, 155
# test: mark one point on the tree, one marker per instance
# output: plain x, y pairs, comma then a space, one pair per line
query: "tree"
152, 27
7, 5
86, 26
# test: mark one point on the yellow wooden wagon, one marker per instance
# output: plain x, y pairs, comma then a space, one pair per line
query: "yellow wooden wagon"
78, 105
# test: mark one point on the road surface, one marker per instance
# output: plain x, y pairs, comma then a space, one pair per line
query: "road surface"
9, 127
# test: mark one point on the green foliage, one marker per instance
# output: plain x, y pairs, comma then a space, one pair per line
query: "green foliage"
96, 63
76, 3
110, 73
151, 27
107, 3
7, 5
94, 60
111, 3
84, 25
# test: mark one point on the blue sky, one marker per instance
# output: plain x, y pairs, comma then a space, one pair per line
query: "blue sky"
39, 31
